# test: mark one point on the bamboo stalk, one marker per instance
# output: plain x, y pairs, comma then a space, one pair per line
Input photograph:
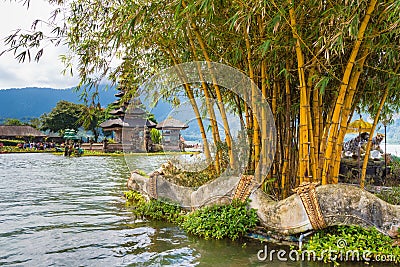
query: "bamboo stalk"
304, 132
249, 123
256, 133
346, 115
263, 70
209, 106
368, 148
367, 151
342, 92
286, 156
193, 103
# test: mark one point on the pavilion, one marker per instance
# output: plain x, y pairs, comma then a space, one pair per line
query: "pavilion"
171, 134
25, 132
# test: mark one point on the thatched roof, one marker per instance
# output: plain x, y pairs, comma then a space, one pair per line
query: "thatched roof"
171, 123
120, 94
136, 111
118, 111
127, 122
113, 123
12, 131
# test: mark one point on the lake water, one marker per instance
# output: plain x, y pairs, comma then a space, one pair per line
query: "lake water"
58, 211
392, 149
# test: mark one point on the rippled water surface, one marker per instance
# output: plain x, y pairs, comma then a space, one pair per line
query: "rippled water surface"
58, 211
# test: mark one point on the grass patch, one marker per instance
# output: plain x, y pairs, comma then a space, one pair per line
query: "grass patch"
14, 149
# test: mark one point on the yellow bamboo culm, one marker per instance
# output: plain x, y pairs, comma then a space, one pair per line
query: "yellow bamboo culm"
367, 150
333, 132
256, 133
189, 93
304, 169
316, 140
209, 106
345, 115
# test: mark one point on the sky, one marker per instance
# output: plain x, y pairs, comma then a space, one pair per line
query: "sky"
46, 73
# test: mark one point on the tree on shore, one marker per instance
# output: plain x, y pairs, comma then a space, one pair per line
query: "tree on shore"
65, 115
90, 118
315, 62
14, 122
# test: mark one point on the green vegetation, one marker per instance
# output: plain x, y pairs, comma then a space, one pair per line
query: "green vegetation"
64, 115
11, 142
68, 115
153, 209
217, 221
189, 179
200, 177
90, 119
340, 240
155, 136
14, 122
14, 149
391, 196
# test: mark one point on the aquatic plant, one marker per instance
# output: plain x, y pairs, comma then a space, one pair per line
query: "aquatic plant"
352, 243
217, 221
220, 221
153, 209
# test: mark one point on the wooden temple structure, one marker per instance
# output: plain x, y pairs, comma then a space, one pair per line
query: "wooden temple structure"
130, 127
172, 139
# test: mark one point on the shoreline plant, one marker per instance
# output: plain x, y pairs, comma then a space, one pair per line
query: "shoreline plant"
355, 243
217, 221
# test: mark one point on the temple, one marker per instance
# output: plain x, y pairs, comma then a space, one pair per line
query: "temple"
130, 127
172, 139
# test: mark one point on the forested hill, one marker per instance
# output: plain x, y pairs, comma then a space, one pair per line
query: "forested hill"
31, 102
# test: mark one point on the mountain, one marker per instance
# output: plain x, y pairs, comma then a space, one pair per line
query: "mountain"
31, 102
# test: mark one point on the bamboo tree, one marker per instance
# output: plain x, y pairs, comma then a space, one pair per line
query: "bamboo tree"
304, 170
209, 106
346, 114
333, 132
218, 93
368, 148
189, 93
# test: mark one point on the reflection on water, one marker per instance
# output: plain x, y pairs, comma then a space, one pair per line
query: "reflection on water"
58, 211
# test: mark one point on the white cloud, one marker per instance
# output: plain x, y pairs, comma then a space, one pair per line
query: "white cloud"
46, 73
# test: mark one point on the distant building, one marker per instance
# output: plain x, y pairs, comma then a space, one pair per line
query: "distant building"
131, 128
27, 133
172, 139
55, 137
136, 134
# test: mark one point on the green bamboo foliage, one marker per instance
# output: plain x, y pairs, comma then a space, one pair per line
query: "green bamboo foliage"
314, 61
